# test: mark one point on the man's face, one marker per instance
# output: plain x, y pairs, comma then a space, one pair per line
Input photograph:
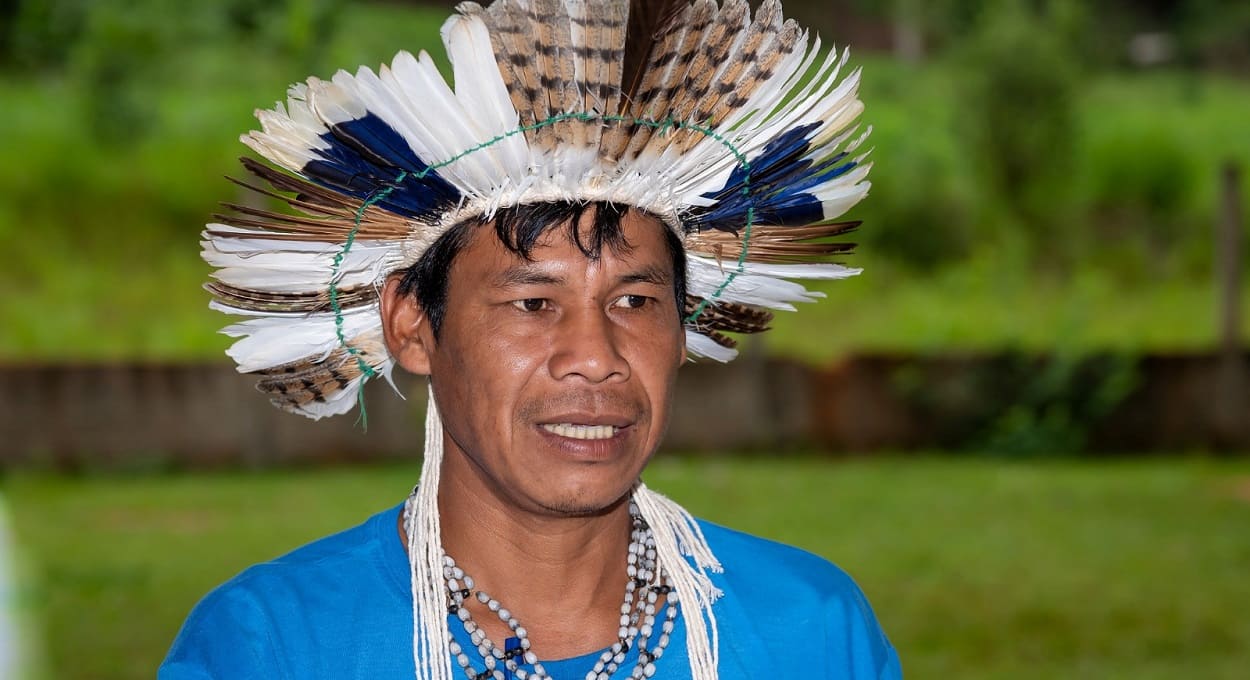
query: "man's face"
553, 375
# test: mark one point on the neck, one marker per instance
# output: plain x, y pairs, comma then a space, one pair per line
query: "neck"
563, 577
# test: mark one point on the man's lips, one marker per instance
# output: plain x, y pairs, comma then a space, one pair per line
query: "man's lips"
579, 426
572, 431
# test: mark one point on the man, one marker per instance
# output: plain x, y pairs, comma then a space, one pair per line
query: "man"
549, 262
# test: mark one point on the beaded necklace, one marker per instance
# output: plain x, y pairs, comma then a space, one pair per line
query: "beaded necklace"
644, 587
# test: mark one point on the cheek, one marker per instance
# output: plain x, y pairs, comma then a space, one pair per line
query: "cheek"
494, 361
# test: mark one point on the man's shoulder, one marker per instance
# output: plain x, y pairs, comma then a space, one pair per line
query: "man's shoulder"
363, 542
748, 558
774, 592
287, 612
348, 560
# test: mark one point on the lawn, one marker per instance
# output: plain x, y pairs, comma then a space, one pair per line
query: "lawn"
977, 568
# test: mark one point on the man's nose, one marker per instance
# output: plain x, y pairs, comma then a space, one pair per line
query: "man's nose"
586, 344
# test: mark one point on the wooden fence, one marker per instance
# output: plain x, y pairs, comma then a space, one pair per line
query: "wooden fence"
188, 415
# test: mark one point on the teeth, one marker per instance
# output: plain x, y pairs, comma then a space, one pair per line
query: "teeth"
581, 431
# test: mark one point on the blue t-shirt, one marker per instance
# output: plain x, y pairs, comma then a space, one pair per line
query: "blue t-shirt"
341, 607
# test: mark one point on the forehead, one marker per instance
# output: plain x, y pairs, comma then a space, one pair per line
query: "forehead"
644, 246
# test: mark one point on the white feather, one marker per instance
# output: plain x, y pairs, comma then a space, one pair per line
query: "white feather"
699, 345
251, 261
483, 95
757, 283
276, 340
345, 398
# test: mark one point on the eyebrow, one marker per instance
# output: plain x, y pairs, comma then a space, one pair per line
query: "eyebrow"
528, 275
650, 274
525, 275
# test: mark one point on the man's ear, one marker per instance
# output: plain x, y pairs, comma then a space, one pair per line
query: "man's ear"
405, 327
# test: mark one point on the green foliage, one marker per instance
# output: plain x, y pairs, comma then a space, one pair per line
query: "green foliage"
1048, 408
922, 222
1020, 91
977, 568
1141, 183
1216, 32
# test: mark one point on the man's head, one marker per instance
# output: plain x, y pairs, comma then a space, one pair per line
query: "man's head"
552, 342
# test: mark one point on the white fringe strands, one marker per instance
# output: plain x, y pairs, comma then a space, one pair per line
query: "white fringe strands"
431, 638
677, 537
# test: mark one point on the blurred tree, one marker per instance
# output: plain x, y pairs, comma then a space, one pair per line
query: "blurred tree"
924, 223
40, 35
1020, 83
1216, 33
123, 53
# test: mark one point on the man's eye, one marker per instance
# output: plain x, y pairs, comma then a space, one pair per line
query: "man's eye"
631, 301
530, 304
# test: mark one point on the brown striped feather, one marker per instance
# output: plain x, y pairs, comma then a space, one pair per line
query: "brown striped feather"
666, 77
648, 55
766, 43
774, 244
259, 301
549, 41
712, 52
730, 317
313, 379
510, 38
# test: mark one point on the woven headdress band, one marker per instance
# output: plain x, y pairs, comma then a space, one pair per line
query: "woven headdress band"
732, 129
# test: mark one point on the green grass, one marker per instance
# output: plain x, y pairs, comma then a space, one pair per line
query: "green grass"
976, 568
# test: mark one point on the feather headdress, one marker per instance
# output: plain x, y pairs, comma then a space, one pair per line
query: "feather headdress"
733, 129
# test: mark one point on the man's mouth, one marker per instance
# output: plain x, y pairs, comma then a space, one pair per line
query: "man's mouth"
575, 431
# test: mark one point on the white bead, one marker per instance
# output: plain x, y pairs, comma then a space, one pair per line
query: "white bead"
504, 614
531, 658
520, 631
649, 669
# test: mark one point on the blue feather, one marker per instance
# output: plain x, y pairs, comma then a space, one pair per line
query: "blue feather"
777, 188
366, 155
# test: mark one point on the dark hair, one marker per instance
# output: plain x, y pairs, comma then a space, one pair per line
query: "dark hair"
518, 229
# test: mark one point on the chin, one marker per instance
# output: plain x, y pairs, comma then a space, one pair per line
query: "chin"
578, 503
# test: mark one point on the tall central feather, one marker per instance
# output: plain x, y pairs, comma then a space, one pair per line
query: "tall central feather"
648, 23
